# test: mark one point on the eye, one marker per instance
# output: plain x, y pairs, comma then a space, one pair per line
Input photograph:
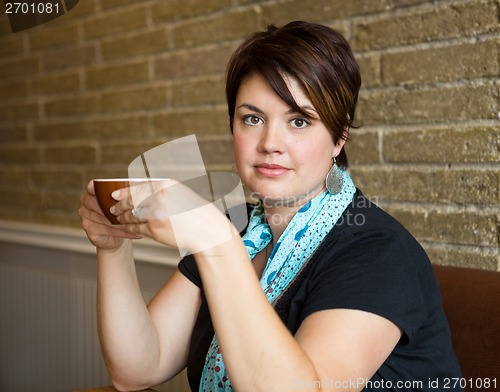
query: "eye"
252, 120
300, 123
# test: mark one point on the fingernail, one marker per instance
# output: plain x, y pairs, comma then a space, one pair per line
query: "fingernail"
112, 210
115, 194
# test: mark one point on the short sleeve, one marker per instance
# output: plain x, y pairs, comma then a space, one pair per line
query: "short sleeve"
374, 272
189, 269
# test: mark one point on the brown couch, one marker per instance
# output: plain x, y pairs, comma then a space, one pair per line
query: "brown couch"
471, 301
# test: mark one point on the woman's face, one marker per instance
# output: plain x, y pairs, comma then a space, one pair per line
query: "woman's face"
281, 156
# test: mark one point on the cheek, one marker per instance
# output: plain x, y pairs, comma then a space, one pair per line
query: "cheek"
240, 148
316, 156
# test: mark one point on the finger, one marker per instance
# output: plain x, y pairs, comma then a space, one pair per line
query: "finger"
89, 201
90, 187
133, 225
96, 230
134, 216
123, 201
95, 221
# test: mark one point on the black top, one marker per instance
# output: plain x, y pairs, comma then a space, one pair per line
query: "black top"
368, 262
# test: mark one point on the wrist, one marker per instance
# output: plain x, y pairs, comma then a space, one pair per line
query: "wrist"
125, 246
202, 230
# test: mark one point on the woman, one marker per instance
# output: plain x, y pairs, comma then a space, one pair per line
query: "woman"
323, 290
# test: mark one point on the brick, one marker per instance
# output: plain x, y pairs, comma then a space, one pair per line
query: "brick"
5, 28
58, 218
67, 82
13, 133
474, 144
227, 26
181, 9
117, 75
19, 111
56, 200
430, 185
116, 22
50, 178
204, 91
13, 89
404, 3
20, 68
49, 38
363, 147
133, 100
149, 42
200, 122
101, 171
217, 153
450, 21
123, 153
69, 57
370, 67
70, 154
83, 9
19, 154
105, 129
15, 177
243, 2
80, 105
461, 227
197, 61
444, 64
466, 257
19, 214
280, 13
11, 45
20, 199
109, 4
456, 103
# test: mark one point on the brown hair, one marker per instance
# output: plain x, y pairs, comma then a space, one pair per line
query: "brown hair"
318, 57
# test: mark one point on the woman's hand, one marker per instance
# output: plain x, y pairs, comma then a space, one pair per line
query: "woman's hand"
172, 214
101, 233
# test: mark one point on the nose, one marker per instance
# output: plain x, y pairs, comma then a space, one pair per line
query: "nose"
272, 140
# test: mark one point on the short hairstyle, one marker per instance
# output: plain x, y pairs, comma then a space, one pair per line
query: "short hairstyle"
318, 57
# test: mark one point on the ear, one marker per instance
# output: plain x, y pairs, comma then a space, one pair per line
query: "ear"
338, 147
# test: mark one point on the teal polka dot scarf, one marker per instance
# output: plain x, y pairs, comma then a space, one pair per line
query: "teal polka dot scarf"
295, 246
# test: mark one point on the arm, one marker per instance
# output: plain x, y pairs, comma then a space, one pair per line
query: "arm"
142, 346
261, 354
347, 346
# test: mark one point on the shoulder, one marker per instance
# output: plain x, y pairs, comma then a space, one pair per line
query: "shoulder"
370, 262
366, 229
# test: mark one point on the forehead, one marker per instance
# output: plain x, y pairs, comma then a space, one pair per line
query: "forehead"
292, 94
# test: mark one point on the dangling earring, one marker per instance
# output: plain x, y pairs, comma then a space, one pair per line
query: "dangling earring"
334, 179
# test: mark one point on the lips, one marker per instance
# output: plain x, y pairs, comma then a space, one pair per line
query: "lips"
270, 170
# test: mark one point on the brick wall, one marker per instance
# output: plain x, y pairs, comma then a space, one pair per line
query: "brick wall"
84, 94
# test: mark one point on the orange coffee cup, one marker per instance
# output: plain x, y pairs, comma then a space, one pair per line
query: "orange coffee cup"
104, 187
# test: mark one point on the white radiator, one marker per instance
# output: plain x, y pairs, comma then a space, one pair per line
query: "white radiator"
48, 339
48, 333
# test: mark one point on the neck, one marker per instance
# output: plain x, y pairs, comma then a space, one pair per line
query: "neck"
279, 214
278, 219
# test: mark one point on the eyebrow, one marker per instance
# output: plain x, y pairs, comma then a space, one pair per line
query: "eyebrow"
251, 107
306, 108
